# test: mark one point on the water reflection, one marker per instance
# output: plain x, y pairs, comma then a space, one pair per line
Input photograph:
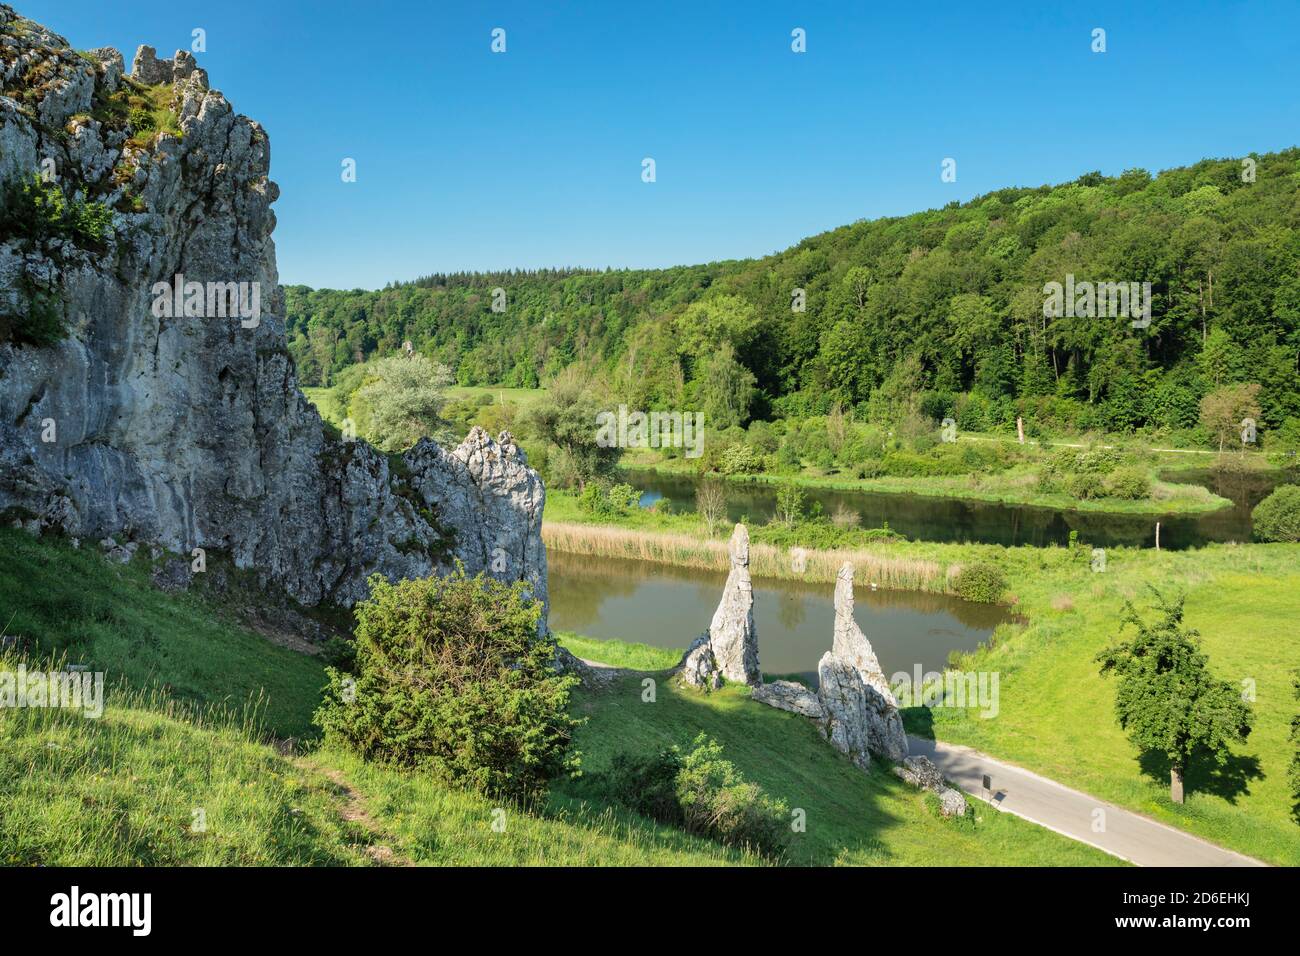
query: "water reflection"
667, 606
955, 520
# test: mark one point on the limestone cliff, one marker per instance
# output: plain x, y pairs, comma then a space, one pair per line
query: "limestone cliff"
176, 419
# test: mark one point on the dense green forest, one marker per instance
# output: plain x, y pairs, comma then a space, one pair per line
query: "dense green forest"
946, 304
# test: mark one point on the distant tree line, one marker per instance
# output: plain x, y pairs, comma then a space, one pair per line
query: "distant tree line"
946, 304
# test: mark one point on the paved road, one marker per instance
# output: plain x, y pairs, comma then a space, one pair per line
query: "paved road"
1127, 835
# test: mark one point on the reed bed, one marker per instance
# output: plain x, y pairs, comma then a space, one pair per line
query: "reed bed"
765, 560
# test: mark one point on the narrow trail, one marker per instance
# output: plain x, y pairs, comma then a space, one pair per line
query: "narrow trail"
354, 810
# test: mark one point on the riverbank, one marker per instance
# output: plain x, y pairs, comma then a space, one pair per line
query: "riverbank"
1015, 486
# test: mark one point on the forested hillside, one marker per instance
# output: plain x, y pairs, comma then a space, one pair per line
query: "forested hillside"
948, 303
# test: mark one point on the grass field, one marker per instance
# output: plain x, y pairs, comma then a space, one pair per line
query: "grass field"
853, 818
326, 403
1056, 713
523, 397
196, 701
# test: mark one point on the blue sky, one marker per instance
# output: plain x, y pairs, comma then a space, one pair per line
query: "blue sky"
468, 159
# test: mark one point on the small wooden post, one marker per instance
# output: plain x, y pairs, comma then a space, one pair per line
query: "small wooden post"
1020, 429
1157, 535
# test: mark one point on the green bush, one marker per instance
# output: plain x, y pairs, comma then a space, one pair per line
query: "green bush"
719, 803
647, 784
740, 459
38, 319
1277, 517
981, 581
451, 677
1131, 482
702, 793
604, 500
1081, 486
36, 210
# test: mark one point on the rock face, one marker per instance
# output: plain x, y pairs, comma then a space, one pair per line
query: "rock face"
729, 649
167, 418
861, 712
787, 695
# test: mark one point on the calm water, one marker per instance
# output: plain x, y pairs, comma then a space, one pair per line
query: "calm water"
665, 606
949, 519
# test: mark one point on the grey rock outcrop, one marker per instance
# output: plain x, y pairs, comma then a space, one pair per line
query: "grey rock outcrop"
698, 667
921, 772
787, 695
729, 649
854, 707
862, 713
186, 428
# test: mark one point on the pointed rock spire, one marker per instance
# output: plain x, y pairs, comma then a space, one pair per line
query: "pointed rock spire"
730, 646
861, 711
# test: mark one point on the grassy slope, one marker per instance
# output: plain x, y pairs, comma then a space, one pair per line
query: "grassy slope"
1056, 713
523, 397
326, 403
109, 616
852, 817
121, 790
641, 657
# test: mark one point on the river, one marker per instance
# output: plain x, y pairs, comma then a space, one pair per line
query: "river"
928, 518
667, 606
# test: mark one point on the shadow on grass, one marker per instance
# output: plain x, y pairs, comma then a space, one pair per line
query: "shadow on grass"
1228, 781
918, 722
781, 752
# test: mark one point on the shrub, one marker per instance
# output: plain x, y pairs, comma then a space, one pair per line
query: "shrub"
451, 677
1277, 517
648, 784
980, 581
36, 210
789, 503
604, 500
719, 803
1081, 486
740, 459
701, 792
1131, 482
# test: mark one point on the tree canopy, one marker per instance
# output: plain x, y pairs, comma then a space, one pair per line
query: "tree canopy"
960, 290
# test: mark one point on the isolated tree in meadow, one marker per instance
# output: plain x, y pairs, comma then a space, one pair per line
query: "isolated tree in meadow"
1224, 409
711, 502
1167, 701
402, 401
